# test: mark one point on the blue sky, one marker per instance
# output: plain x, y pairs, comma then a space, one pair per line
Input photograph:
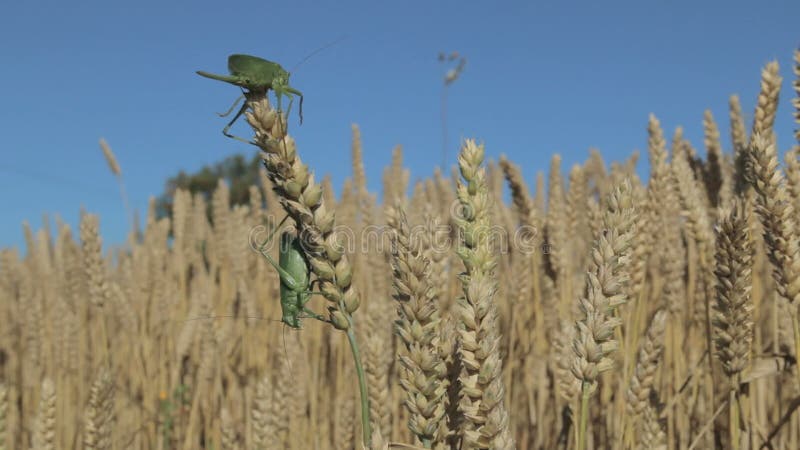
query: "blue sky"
541, 78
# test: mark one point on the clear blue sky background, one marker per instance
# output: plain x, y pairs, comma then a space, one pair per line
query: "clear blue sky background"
541, 78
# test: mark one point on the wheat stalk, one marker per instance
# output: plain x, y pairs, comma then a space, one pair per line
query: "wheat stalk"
301, 198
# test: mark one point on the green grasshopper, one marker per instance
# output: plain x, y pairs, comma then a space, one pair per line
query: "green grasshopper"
295, 274
258, 76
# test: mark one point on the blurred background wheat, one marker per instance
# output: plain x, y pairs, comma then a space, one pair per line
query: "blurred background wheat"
608, 306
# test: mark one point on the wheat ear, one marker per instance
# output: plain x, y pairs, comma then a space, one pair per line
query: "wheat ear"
595, 340
423, 372
482, 403
301, 198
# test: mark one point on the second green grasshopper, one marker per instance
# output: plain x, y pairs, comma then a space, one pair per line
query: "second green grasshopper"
295, 275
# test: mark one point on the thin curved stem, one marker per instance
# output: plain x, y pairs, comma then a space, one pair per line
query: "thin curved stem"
444, 127
362, 384
584, 415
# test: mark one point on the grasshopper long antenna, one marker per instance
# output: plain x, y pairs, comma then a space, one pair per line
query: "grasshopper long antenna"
324, 47
192, 319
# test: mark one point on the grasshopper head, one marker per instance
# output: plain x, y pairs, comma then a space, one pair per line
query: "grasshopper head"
281, 77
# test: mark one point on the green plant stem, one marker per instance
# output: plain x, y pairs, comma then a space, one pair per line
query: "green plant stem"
581, 444
362, 383
733, 404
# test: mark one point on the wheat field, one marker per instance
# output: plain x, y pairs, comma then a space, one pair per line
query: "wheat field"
594, 311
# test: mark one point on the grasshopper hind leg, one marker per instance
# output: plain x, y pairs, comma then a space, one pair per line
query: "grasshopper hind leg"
312, 315
235, 118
